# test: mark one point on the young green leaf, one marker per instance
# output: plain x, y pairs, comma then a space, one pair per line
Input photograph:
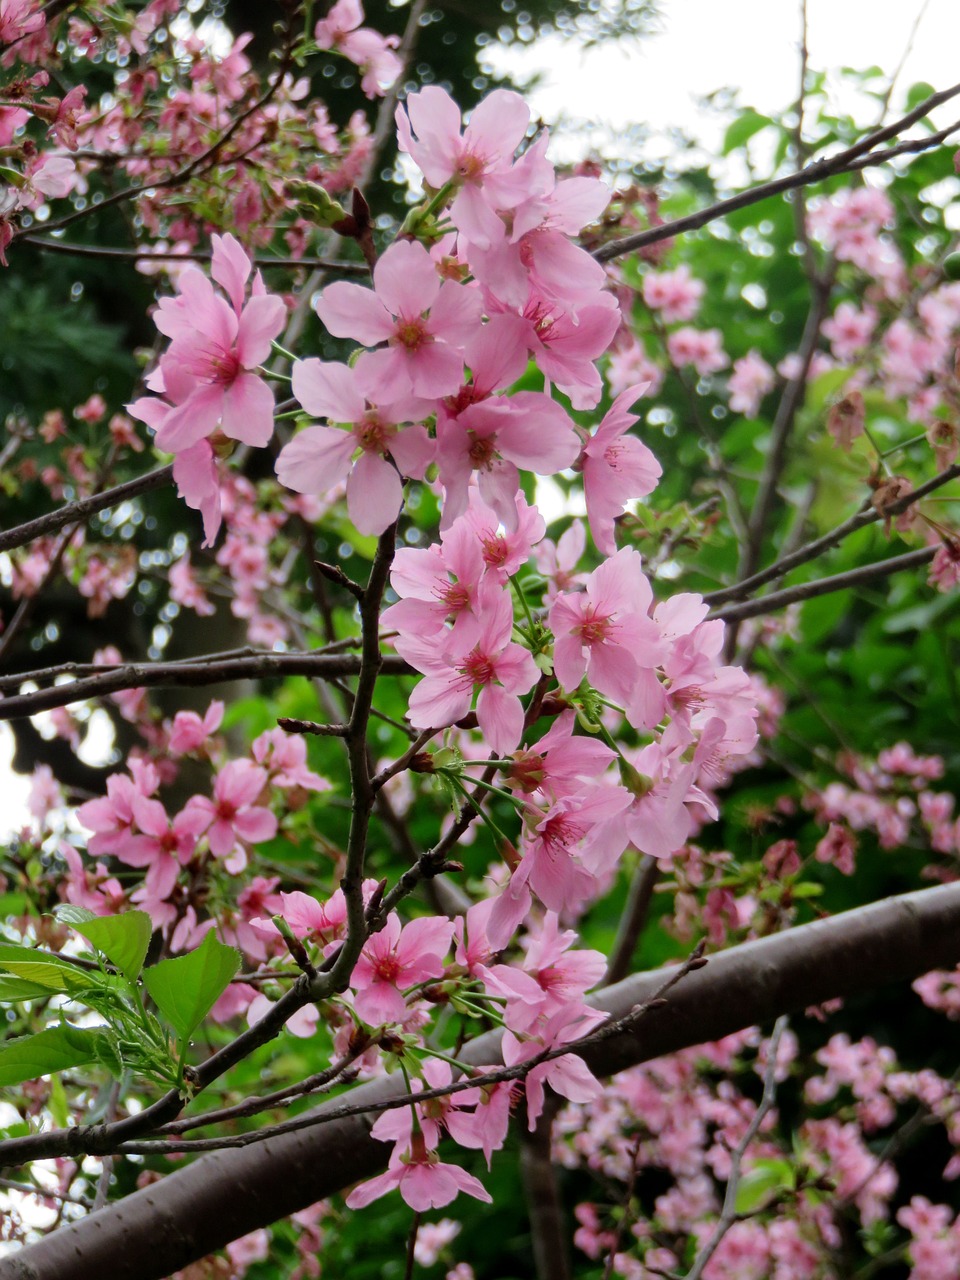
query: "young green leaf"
122, 939
55, 1049
186, 988
764, 1181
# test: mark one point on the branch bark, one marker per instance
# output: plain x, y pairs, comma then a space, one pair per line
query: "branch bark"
229, 1193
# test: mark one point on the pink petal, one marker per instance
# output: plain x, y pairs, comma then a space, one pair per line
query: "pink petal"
315, 460
328, 390
406, 279
248, 410
261, 322
350, 311
374, 494
230, 267
191, 421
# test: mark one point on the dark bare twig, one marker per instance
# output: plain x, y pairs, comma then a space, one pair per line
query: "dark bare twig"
867, 514
728, 1214
823, 586
190, 674
635, 912
548, 1232
849, 161
83, 508
328, 266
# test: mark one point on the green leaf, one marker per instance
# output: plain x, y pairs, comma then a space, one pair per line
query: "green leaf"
53, 978
21, 989
186, 988
122, 939
743, 128
68, 913
761, 1183
55, 1049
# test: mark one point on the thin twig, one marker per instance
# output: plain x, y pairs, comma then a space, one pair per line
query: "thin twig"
850, 160
867, 514
83, 508
728, 1214
823, 586
192, 674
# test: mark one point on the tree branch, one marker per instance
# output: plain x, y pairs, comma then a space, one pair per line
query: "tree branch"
229, 1193
823, 586
192, 673
83, 508
850, 160
867, 514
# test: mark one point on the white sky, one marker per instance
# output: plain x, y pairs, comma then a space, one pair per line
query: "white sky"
749, 45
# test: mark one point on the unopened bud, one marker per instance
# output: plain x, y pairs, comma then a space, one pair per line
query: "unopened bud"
324, 210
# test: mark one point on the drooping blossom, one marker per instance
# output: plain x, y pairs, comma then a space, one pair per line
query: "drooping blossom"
617, 468
207, 371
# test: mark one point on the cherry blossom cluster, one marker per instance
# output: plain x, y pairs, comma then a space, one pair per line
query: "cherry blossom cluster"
682, 1117
178, 98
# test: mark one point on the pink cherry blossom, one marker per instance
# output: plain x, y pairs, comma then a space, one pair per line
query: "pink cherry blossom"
480, 163
604, 632
396, 958
675, 294
484, 656
208, 368
616, 469
233, 818
424, 323
703, 348
320, 457
423, 1180
372, 52
751, 380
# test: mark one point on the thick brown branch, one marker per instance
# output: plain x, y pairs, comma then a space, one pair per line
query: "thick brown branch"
226, 1194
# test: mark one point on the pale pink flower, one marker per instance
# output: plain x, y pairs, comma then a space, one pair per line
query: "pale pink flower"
579, 837
480, 163
945, 567
208, 369
605, 632
752, 378
703, 348
675, 294
568, 1075
481, 655
189, 733
432, 1239
423, 1180
320, 457
19, 18
424, 323
372, 52
186, 591
284, 756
